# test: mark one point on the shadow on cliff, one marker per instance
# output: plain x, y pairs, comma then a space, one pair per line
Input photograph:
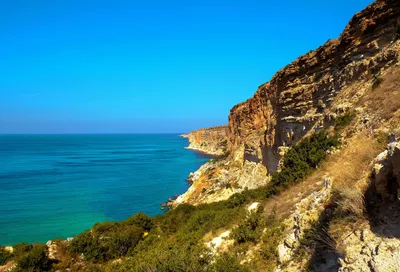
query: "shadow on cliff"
324, 256
384, 214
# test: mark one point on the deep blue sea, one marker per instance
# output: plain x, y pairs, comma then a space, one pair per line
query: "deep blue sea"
56, 186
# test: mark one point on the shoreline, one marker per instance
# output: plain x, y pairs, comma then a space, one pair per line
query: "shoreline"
203, 152
168, 204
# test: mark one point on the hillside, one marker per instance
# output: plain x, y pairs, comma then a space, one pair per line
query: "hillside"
306, 176
305, 96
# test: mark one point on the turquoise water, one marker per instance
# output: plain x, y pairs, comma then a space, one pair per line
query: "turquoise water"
60, 185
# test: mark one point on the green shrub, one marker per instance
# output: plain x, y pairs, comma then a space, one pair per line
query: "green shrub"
21, 249
237, 200
271, 239
397, 31
90, 246
344, 120
140, 220
225, 263
5, 256
377, 81
166, 255
105, 227
122, 242
104, 244
172, 220
251, 229
111, 240
36, 259
301, 159
200, 220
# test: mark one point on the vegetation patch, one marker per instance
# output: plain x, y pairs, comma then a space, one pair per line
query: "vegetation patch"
271, 238
110, 240
35, 259
5, 256
301, 159
344, 120
377, 81
226, 262
251, 229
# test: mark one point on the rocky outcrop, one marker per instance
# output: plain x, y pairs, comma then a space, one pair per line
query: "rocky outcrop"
366, 251
307, 212
210, 141
218, 179
220, 243
386, 172
374, 246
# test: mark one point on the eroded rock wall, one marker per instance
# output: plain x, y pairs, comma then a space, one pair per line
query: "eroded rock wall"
296, 99
304, 97
211, 141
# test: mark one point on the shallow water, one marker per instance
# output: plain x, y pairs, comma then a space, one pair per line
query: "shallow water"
60, 185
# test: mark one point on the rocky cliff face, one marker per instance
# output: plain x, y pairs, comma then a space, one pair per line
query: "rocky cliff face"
299, 98
211, 141
305, 96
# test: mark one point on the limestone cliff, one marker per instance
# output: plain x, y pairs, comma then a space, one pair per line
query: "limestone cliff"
300, 97
211, 141
305, 96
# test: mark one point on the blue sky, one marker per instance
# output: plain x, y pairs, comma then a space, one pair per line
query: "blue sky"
148, 66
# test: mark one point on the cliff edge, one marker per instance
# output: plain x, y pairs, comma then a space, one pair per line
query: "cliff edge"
212, 141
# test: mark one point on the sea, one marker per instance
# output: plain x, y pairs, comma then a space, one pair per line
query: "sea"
56, 186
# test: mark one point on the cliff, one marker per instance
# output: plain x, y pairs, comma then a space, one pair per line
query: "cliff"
303, 97
212, 141
300, 97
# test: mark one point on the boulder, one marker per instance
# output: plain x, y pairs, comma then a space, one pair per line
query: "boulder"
386, 172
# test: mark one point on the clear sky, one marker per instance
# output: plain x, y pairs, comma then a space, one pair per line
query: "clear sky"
148, 66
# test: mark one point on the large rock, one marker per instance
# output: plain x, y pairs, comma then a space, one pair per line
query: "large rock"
386, 178
366, 251
307, 212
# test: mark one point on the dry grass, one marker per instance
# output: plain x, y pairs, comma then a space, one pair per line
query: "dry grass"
349, 165
384, 100
345, 168
350, 201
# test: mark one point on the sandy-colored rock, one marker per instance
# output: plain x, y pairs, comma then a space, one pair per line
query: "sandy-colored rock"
211, 141
301, 97
307, 213
220, 243
386, 170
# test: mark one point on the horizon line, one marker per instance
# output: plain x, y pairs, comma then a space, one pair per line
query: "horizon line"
98, 133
